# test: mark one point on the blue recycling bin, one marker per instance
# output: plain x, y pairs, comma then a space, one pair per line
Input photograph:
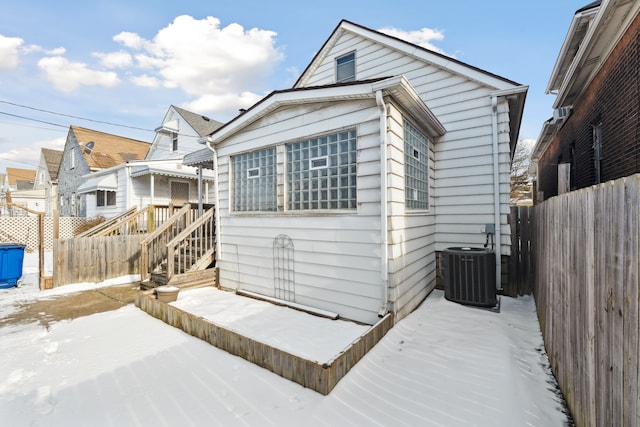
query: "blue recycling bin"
11, 260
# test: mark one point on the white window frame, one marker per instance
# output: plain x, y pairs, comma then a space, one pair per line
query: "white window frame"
174, 142
416, 168
348, 64
103, 196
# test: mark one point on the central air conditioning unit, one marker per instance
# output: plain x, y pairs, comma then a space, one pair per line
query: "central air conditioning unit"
561, 114
470, 276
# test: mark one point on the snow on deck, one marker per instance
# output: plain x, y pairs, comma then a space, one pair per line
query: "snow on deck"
312, 337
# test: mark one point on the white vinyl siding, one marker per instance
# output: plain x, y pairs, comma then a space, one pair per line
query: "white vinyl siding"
463, 156
412, 238
336, 254
168, 145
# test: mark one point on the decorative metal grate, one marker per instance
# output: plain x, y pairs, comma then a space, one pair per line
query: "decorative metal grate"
283, 268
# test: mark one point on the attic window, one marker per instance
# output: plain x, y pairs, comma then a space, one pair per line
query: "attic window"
174, 141
346, 68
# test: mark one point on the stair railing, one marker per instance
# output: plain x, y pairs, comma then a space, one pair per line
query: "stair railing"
99, 228
154, 246
194, 248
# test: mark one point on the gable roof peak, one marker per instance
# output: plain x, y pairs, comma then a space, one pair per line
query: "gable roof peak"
203, 125
437, 59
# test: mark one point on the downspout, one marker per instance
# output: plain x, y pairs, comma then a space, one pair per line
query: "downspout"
384, 210
496, 189
216, 196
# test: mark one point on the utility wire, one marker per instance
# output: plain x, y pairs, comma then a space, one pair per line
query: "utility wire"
67, 115
35, 120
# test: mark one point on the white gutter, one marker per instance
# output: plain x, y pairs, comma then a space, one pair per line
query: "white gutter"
208, 141
496, 189
384, 210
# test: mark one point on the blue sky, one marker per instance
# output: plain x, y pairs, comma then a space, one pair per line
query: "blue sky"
126, 62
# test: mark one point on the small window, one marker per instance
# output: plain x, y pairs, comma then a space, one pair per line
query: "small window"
318, 162
174, 142
105, 198
73, 158
253, 173
346, 68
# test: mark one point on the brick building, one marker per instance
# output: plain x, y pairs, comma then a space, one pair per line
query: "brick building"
594, 134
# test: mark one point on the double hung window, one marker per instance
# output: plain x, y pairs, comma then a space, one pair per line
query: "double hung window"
346, 68
105, 198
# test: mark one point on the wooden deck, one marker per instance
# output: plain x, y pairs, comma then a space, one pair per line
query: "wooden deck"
321, 377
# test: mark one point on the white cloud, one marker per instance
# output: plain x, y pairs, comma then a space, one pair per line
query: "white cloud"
9, 51
215, 65
118, 59
68, 76
27, 156
130, 40
146, 81
422, 37
227, 103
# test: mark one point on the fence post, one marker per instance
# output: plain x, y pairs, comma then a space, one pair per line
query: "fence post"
151, 219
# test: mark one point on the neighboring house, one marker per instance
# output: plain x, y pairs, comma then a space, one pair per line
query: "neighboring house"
19, 179
47, 177
86, 152
18, 189
160, 178
35, 200
338, 193
594, 134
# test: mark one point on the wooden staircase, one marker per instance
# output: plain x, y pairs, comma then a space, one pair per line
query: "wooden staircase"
181, 252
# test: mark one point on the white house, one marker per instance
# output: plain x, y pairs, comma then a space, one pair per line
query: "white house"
339, 193
47, 177
160, 178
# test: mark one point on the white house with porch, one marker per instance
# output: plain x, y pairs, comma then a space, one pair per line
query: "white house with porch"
159, 179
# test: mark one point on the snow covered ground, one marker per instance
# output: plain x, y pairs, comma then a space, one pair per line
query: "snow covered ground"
444, 365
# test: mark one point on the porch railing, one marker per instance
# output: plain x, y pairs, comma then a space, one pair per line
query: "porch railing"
95, 231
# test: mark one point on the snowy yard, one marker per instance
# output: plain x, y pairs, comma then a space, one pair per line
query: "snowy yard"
444, 365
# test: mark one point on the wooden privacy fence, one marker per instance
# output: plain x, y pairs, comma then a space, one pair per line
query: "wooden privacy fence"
587, 297
95, 259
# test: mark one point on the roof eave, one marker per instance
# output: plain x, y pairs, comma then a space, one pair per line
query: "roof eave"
574, 38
